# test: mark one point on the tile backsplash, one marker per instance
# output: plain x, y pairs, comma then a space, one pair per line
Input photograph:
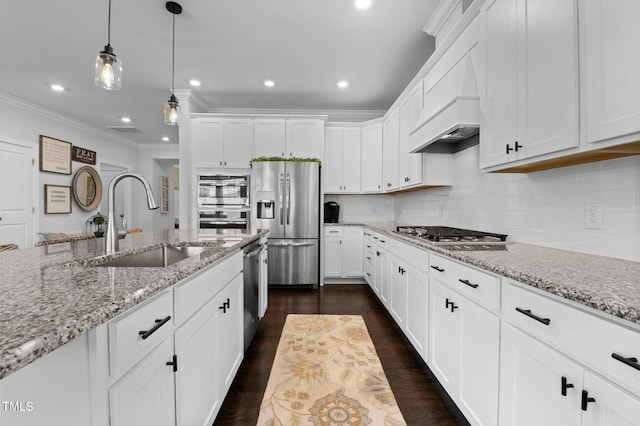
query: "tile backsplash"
545, 208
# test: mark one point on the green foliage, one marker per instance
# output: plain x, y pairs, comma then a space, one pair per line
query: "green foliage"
98, 220
294, 159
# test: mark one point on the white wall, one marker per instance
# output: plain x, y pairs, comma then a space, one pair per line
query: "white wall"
545, 208
24, 122
155, 160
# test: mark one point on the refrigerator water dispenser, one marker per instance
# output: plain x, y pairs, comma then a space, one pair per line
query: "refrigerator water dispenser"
265, 209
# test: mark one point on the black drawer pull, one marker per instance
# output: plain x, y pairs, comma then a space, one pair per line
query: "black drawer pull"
631, 362
564, 386
527, 312
159, 323
586, 400
470, 284
437, 268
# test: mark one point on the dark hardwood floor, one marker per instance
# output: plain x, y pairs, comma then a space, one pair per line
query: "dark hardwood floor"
422, 400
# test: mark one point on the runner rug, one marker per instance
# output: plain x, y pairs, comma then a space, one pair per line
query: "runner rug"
326, 372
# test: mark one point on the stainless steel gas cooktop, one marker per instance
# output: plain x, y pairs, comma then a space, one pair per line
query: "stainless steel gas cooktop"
456, 238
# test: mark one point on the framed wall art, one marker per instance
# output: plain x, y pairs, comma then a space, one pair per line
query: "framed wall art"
57, 199
164, 194
55, 155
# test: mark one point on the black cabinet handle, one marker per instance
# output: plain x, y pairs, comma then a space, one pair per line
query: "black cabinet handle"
631, 362
527, 312
437, 268
586, 400
518, 146
564, 386
226, 305
159, 323
378, 253
470, 284
451, 305
174, 363
509, 149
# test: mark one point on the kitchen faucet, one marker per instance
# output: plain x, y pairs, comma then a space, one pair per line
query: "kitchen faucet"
112, 233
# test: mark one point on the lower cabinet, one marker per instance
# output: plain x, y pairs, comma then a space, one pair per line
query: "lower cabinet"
464, 352
145, 395
229, 338
343, 252
263, 295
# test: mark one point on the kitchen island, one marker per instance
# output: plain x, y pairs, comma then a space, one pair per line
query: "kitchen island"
51, 298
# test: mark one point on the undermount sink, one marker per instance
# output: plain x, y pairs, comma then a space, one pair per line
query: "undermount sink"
157, 258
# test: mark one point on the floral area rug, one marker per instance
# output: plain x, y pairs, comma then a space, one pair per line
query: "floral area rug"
326, 372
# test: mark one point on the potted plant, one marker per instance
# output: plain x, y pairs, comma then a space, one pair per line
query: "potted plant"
98, 220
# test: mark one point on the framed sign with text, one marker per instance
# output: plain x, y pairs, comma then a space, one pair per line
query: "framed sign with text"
55, 155
84, 155
57, 199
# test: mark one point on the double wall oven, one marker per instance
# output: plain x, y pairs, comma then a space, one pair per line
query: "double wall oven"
223, 203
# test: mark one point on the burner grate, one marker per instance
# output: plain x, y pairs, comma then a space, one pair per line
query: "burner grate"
445, 234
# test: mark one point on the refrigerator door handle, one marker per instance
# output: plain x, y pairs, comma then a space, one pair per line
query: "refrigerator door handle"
290, 244
281, 199
288, 198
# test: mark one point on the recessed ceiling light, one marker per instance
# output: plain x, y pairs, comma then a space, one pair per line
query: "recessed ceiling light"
194, 82
269, 83
165, 138
362, 4
343, 84
126, 120
57, 87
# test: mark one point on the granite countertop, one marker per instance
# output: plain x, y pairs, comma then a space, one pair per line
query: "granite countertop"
51, 294
606, 284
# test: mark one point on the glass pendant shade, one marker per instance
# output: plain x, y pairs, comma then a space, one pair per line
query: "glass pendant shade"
172, 112
108, 72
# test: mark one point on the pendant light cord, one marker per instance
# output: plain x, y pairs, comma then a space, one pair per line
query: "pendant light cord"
173, 54
109, 26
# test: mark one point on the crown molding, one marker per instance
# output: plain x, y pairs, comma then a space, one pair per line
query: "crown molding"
19, 103
187, 95
324, 114
440, 16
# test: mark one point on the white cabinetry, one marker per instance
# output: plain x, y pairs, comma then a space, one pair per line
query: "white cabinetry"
263, 295
145, 395
341, 167
558, 365
410, 165
609, 69
222, 142
343, 253
288, 138
371, 159
530, 107
229, 336
391, 151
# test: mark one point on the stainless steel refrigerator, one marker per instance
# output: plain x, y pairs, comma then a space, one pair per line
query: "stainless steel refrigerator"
286, 201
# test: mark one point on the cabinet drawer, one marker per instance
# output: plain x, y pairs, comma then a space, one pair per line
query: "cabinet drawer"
333, 231
589, 338
368, 271
477, 285
128, 344
414, 256
192, 293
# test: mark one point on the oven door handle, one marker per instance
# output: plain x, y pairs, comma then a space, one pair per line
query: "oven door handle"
223, 222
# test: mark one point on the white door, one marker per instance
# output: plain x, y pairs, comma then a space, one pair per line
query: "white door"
444, 335
390, 152
353, 257
371, 162
238, 135
304, 138
398, 291
209, 142
612, 407
332, 166
16, 195
196, 397
333, 256
264, 282
351, 159
417, 312
531, 379
229, 307
381, 275
145, 395
411, 173
269, 137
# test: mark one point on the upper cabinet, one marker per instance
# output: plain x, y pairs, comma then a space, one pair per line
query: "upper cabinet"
410, 172
288, 138
222, 142
371, 159
391, 151
531, 79
609, 69
341, 167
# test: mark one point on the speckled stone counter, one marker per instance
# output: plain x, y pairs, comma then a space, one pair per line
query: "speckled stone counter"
606, 284
52, 294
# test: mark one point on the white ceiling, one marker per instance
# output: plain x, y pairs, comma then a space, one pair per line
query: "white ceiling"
306, 46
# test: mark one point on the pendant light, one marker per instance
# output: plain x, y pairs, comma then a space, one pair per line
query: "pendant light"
108, 69
171, 108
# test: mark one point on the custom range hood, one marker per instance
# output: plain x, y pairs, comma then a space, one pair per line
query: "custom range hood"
451, 112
